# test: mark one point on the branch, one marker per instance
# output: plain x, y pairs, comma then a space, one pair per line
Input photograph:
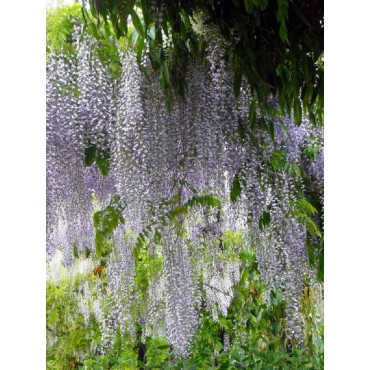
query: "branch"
51, 330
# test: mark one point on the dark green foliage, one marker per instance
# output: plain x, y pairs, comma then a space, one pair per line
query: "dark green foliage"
65, 324
59, 29
264, 220
101, 158
177, 212
105, 222
103, 163
90, 155
275, 46
282, 17
236, 189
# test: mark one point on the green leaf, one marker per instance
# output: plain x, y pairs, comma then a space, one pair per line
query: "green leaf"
99, 243
252, 112
306, 207
261, 123
107, 30
253, 139
94, 30
141, 364
244, 277
139, 49
75, 251
243, 256
208, 200
283, 32
103, 164
135, 252
157, 236
164, 346
307, 222
258, 353
236, 355
114, 221
166, 73
90, 154
282, 16
248, 5
168, 100
142, 237
183, 31
236, 189
113, 361
264, 220
161, 80
137, 22
134, 37
272, 130
121, 219
297, 112
97, 218
112, 42
263, 4
151, 32
165, 27
115, 199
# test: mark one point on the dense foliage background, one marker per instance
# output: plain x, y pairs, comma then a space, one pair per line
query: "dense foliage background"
185, 185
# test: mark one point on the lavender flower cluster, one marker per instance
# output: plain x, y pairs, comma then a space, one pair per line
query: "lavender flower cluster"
153, 153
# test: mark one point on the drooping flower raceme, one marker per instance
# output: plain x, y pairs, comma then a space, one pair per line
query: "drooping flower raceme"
158, 161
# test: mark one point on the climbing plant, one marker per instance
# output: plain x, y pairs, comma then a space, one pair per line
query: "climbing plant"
183, 202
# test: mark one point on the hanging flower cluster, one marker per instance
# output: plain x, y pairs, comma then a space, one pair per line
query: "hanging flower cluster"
180, 317
107, 137
69, 205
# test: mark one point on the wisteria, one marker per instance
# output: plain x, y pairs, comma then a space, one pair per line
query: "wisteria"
69, 203
180, 317
111, 136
